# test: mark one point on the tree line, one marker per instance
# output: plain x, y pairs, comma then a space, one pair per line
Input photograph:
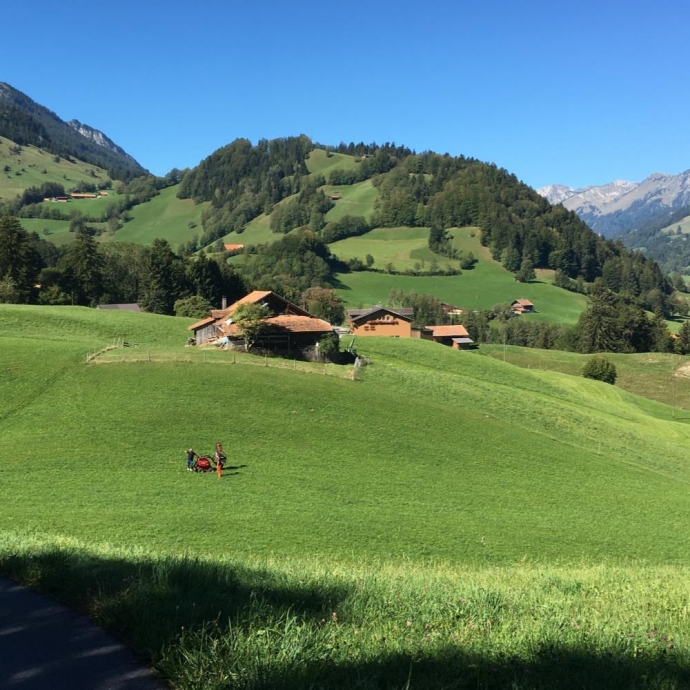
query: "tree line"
86, 273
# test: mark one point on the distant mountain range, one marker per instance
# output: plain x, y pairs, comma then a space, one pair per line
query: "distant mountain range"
619, 208
26, 122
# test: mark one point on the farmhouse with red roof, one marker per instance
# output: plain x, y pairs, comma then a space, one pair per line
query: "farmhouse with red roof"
289, 328
522, 306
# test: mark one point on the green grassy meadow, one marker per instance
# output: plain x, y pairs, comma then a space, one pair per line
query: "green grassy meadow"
355, 200
320, 163
89, 208
403, 247
59, 233
165, 216
26, 170
658, 376
446, 520
481, 287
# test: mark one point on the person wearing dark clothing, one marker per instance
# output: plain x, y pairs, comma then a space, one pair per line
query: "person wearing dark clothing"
190, 459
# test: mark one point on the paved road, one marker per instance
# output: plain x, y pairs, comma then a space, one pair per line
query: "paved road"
46, 646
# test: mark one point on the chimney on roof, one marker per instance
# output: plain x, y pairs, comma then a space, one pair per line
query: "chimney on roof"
224, 303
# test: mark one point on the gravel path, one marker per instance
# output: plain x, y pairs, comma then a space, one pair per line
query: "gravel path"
46, 646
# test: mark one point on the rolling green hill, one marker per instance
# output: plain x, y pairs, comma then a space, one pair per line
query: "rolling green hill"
146, 414
487, 284
655, 375
448, 517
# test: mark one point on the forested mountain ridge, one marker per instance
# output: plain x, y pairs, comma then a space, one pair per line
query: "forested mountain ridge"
437, 191
26, 122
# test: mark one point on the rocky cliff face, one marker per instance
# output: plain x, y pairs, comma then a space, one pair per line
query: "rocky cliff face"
620, 207
97, 137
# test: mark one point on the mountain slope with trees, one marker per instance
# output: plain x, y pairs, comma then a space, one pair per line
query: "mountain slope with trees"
26, 122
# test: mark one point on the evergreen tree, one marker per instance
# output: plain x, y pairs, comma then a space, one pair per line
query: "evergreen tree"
598, 325
526, 272
19, 262
83, 267
682, 344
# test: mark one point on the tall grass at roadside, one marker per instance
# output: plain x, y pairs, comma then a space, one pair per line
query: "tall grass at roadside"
256, 623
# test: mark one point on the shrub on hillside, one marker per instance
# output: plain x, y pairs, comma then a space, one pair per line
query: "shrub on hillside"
195, 307
601, 369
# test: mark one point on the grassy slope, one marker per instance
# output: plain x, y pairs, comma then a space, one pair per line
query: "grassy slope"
371, 529
31, 161
320, 163
258, 230
165, 216
403, 247
684, 225
356, 200
488, 283
452, 439
654, 375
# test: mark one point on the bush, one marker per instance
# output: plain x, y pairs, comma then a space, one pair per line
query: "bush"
600, 369
195, 307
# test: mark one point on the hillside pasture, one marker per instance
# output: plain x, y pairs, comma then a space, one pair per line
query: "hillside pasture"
258, 230
26, 170
89, 208
447, 520
487, 284
658, 376
58, 230
164, 216
321, 162
356, 200
300, 485
405, 248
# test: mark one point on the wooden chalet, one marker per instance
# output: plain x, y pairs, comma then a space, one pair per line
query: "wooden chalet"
289, 328
522, 306
378, 320
451, 309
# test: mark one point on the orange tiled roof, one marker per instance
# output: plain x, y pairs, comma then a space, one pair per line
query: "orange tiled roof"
199, 324
287, 322
233, 247
523, 302
251, 298
449, 331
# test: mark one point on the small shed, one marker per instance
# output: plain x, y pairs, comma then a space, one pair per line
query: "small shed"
205, 330
463, 343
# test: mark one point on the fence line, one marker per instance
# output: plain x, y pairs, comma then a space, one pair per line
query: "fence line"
147, 356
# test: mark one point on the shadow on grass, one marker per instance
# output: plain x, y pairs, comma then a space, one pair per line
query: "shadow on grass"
200, 621
451, 668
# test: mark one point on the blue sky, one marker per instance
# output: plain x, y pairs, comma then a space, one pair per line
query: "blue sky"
572, 93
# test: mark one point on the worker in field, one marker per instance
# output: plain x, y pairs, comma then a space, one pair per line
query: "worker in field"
220, 459
190, 459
